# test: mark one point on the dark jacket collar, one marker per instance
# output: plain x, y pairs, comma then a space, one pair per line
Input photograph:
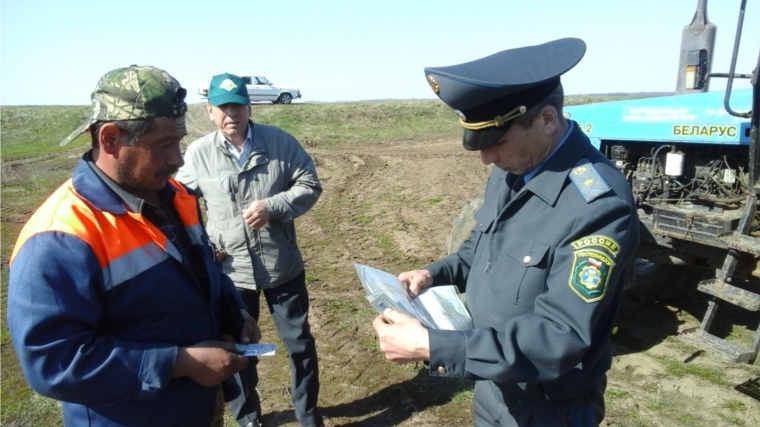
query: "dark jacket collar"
94, 186
550, 179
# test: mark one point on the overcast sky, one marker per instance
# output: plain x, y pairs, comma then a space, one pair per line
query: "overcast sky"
54, 51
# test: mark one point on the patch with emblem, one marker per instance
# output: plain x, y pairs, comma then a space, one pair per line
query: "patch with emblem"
597, 241
433, 84
590, 274
588, 181
228, 85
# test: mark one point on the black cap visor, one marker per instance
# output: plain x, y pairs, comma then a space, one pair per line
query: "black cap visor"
475, 140
478, 139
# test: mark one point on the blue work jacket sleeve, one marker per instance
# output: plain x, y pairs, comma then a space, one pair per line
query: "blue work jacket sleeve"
54, 313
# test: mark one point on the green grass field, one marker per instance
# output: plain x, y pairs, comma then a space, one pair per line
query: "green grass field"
33, 165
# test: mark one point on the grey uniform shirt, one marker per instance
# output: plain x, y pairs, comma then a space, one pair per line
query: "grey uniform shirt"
543, 277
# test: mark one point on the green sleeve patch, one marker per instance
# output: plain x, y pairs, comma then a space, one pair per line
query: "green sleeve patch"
598, 241
590, 274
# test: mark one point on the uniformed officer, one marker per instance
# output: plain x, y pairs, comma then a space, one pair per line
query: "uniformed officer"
543, 268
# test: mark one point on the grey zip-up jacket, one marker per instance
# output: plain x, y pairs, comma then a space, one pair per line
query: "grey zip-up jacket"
279, 172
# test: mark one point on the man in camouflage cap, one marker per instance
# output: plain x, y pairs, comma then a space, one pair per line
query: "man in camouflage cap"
133, 93
114, 293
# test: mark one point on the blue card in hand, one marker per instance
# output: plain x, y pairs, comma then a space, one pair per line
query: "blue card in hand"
256, 349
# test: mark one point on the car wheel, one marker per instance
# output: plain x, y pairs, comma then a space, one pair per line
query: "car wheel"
285, 98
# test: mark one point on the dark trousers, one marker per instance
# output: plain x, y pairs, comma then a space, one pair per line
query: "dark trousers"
289, 307
491, 409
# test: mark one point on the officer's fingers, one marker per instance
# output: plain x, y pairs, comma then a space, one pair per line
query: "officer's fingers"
414, 289
393, 316
407, 281
415, 281
405, 277
380, 323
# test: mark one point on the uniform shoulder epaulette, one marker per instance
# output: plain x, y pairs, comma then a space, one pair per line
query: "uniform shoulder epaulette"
588, 180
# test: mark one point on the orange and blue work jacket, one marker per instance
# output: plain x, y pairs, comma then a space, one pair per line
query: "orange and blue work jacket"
99, 302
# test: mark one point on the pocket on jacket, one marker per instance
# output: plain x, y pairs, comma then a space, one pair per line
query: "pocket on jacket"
278, 248
219, 196
523, 263
478, 237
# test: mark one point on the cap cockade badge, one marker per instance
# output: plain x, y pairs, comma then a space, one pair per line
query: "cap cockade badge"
433, 84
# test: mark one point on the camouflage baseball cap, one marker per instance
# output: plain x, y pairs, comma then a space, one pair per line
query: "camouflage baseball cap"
133, 93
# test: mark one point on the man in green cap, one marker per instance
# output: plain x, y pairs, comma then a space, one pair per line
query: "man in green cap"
255, 180
115, 298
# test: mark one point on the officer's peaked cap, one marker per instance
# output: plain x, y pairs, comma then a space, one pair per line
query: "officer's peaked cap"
489, 93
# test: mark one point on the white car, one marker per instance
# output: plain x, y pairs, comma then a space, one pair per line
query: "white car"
261, 89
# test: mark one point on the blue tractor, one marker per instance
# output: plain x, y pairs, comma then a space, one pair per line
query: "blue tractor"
693, 163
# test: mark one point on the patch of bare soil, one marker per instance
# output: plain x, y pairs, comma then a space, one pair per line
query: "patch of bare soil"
387, 206
390, 206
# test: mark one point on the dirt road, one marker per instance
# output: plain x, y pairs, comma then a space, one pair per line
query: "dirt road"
389, 205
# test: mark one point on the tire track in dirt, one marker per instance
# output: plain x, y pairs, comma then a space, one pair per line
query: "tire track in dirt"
406, 193
389, 205
383, 206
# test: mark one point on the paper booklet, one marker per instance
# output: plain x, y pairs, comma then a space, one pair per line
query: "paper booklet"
438, 307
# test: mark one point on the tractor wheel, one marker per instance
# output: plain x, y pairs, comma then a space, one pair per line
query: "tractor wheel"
662, 282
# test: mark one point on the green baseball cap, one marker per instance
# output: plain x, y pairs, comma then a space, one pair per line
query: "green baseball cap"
227, 89
133, 93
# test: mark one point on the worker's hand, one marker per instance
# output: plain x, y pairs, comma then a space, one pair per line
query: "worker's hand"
256, 215
415, 281
220, 255
209, 362
251, 332
402, 338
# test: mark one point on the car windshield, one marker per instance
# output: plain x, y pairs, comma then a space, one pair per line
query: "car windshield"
262, 80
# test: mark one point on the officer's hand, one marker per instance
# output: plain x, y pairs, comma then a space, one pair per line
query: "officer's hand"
257, 214
251, 332
220, 255
415, 281
402, 338
208, 363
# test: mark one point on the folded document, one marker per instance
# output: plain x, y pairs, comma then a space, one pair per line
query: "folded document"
438, 307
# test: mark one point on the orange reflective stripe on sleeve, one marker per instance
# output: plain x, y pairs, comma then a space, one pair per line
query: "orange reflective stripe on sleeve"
124, 245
